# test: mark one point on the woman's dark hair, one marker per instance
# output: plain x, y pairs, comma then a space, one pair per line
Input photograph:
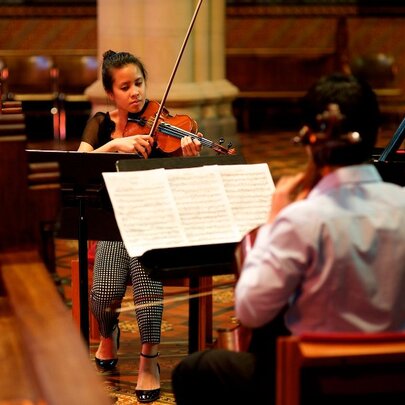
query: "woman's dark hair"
113, 60
359, 110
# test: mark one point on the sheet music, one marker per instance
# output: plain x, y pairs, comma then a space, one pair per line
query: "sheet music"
249, 190
162, 208
203, 205
145, 210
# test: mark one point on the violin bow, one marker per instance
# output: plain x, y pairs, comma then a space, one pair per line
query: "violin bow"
178, 297
176, 65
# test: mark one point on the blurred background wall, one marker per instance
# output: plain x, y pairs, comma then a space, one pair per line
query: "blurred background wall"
273, 49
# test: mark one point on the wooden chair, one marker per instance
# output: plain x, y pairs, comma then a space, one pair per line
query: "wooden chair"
381, 71
345, 368
45, 358
205, 302
12, 120
12, 108
33, 80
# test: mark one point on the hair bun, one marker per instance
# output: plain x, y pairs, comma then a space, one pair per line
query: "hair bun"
108, 54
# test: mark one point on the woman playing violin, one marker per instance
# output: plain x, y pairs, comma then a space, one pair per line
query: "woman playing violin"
124, 80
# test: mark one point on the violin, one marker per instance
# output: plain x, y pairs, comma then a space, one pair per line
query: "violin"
170, 130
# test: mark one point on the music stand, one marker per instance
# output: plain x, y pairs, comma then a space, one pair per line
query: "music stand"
86, 212
190, 261
391, 161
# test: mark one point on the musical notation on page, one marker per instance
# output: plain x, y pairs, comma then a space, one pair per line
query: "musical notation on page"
162, 208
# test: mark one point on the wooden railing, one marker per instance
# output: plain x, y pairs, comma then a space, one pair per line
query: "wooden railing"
46, 359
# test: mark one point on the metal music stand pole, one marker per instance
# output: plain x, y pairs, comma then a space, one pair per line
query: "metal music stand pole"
394, 143
83, 270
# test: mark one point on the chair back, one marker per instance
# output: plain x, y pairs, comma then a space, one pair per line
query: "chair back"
31, 74
340, 368
380, 70
76, 73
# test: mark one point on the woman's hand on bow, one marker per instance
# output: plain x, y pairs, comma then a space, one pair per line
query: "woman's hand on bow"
138, 144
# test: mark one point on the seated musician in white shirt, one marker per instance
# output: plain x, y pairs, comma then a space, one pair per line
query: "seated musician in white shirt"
330, 259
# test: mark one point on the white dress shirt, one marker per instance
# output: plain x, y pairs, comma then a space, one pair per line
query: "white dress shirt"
338, 258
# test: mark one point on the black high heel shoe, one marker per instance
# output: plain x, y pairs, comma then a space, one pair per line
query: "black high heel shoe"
109, 364
145, 396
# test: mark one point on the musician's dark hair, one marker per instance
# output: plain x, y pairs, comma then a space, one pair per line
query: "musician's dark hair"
116, 60
360, 113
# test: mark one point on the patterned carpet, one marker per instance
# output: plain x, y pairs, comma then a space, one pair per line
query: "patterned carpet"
120, 383
283, 157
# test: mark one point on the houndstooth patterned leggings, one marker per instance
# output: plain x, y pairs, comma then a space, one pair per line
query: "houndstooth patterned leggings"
112, 268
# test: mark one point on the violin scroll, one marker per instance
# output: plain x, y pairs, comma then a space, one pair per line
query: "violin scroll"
221, 150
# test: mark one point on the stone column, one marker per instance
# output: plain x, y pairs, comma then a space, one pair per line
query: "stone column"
154, 30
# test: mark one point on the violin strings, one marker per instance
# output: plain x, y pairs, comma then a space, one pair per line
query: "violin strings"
181, 133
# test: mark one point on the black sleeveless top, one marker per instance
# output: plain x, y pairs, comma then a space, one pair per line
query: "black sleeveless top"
100, 127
